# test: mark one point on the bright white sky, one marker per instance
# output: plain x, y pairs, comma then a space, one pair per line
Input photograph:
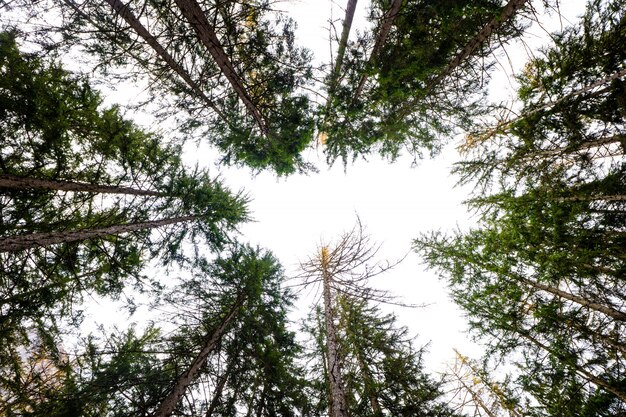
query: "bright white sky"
394, 201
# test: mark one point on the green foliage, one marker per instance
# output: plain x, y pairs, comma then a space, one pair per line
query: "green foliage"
398, 107
542, 275
258, 41
382, 370
52, 128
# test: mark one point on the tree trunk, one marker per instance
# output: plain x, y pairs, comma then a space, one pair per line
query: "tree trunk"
33, 240
597, 197
125, 13
337, 401
341, 51
568, 150
14, 181
196, 17
503, 125
217, 394
369, 390
385, 28
168, 405
507, 13
616, 314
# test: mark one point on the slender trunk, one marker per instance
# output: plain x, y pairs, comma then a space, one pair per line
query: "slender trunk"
385, 28
33, 240
592, 198
125, 13
196, 17
368, 384
478, 402
507, 13
14, 181
566, 150
495, 390
338, 397
217, 394
616, 314
341, 51
168, 405
578, 369
503, 125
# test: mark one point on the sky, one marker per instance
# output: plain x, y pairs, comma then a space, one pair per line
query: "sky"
395, 201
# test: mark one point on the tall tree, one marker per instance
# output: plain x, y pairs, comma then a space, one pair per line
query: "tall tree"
369, 366
543, 273
81, 189
222, 345
236, 72
397, 91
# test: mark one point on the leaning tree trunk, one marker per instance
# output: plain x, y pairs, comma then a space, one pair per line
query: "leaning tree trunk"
14, 181
198, 20
385, 28
616, 314
507, 13
502, 126
338, 404
341, 51
125, 13
217, 392
34, 240
168, 405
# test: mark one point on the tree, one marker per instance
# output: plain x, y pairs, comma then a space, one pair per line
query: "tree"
82, 188
542, 275
369, 366
222, 345
236, 72
397, 90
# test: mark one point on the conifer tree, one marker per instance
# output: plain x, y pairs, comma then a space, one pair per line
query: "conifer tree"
405, 85
222, 347
229, 72
543, 274
81, 190
369, 366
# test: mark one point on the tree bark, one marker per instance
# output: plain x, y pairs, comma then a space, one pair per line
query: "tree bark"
217, 394
507, 13
195, 16
597, 197
14, 181
503, 125
168, 405
385, 28
125, 13
341, 51
337, 401
616, 314
33, 240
